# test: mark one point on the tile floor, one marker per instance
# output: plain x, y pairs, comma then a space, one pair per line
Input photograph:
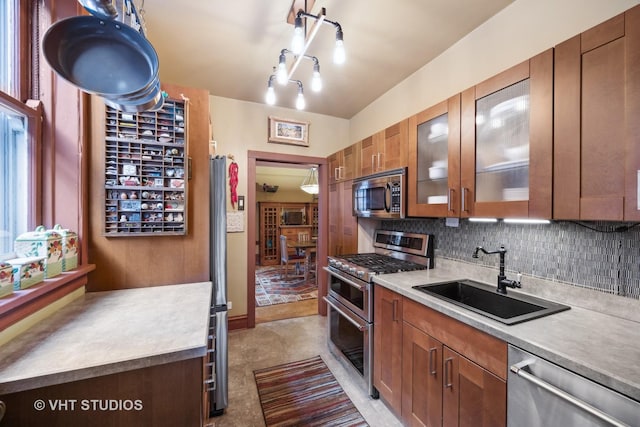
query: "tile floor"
282, 341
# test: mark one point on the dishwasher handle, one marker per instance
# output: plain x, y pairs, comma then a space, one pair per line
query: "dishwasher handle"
518, 369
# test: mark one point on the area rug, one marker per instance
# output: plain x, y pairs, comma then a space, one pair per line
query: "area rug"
304, 393
271, 289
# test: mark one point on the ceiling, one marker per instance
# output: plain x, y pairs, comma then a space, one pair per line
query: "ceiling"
286, 178
231, 47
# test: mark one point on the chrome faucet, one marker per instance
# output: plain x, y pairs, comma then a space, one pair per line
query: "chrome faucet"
503, 282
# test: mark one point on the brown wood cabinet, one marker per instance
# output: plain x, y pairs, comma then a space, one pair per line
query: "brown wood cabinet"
387, 331
164, 395
472, 396
506, 154
422, 378
385, 150
451, 374
596, 126
343, 163
434, 164
343, 226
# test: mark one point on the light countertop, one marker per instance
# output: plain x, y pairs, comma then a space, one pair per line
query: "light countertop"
601, 347
102, 333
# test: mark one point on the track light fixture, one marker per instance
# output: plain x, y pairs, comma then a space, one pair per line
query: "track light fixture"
299, 44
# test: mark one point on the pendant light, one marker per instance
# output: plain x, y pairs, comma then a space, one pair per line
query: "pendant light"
310, 183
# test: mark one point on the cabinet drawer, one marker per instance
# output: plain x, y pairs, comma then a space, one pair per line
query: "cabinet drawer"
487, 351
291, 233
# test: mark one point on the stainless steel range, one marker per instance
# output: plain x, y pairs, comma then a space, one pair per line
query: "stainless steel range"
350, 293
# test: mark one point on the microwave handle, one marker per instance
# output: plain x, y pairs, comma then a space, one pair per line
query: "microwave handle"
387, 192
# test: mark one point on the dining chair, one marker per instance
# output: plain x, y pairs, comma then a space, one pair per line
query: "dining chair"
287, 259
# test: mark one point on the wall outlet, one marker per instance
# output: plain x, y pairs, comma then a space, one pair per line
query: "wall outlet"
229, 305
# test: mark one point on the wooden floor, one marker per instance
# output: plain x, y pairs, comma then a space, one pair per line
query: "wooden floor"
286, 311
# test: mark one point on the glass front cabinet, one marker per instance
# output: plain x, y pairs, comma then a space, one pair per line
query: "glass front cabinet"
506, 143
434, 170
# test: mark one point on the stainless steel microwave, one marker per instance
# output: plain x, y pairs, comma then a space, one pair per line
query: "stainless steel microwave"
381, 195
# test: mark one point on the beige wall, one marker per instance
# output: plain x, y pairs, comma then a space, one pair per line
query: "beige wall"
520, 31
240, 126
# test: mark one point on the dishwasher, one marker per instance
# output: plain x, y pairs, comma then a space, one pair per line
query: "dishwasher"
542, 394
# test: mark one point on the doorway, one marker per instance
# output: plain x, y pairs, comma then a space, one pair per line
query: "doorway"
256, 162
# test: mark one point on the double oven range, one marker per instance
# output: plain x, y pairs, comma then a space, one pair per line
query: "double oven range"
350, 294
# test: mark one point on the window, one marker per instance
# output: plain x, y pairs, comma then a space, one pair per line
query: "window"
19, 130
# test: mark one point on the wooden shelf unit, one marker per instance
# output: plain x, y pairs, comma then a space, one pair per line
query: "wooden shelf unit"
146, 171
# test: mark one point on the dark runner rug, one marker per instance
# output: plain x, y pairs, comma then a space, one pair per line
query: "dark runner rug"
304, 393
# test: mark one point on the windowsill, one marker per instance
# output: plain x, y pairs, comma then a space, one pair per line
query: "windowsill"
24, 302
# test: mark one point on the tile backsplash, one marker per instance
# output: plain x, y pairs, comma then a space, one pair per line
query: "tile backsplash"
603, 256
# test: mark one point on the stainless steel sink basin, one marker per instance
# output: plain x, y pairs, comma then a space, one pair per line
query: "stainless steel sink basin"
483, 299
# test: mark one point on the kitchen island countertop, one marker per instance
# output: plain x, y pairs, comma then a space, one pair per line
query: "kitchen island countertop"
601, 347
103, 333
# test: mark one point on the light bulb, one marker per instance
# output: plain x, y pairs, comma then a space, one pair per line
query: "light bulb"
297, 43
300, 103
270, 98
316, 82
281, 74
339, 55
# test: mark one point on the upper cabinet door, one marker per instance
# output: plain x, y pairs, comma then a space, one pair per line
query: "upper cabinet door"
384, 150
343, 164
597, 130
394, 150
335, 163
506, 143
434, 161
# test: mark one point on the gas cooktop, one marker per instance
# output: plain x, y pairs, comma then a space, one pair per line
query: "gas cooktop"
381, 264
395, 252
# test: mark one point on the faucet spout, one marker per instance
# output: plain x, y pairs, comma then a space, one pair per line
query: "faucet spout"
503, 282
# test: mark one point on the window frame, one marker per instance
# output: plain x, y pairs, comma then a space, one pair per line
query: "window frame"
37, 80
32, 110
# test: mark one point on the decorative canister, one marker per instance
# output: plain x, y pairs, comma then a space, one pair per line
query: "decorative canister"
27, 271
42, 243
6, 279
69, 247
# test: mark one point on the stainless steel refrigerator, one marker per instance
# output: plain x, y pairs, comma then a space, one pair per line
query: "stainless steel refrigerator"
217, 347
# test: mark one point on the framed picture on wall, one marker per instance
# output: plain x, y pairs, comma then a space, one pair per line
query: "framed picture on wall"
284, 131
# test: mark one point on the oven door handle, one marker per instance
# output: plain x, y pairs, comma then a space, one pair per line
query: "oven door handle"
344, 279
360, 327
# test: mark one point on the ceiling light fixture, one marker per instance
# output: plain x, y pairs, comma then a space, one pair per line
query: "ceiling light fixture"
299, 45
310, 183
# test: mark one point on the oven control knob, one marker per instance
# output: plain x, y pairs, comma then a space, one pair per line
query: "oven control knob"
360, 274
352, 270
332, 262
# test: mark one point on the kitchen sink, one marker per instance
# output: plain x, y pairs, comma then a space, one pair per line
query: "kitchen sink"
483, 299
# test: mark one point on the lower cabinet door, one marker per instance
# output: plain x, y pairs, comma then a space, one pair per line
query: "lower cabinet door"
472, 396
387, 341
422, 378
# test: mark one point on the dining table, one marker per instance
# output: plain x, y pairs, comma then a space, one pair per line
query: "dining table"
307, 246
